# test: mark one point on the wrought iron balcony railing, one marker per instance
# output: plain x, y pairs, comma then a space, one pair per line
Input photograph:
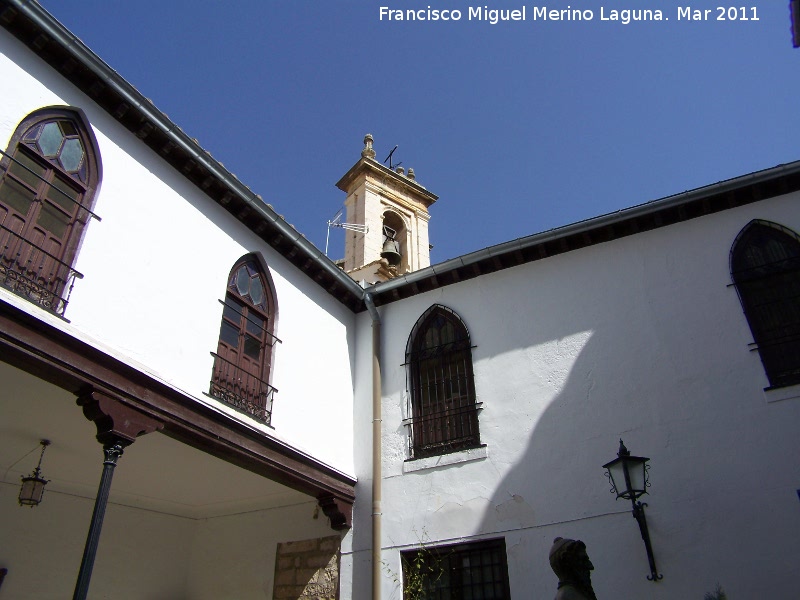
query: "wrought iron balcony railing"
32, 272
244, 391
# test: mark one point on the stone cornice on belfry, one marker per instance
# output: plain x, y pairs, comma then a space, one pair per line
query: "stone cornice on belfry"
381, 175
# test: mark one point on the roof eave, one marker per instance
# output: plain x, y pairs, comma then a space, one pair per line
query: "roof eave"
666, 211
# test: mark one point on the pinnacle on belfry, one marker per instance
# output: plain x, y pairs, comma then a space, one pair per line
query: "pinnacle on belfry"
368, 152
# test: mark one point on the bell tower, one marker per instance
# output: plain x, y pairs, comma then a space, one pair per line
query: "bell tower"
394, 208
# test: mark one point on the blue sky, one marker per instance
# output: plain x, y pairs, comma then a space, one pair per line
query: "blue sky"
518, 127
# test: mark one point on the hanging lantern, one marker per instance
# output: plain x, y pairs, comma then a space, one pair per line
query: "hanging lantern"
30, 494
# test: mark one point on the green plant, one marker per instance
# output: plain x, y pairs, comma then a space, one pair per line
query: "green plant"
717, 594
420, 571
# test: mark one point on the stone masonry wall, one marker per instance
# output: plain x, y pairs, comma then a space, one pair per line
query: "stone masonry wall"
307, 570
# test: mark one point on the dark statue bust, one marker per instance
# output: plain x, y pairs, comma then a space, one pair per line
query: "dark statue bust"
571, 564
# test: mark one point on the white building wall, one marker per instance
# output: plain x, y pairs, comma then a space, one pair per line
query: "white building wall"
142, 553
157, 264
233, 557
146, 553
641, 338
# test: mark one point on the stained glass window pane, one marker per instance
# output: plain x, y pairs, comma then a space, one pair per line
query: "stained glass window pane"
256, 291
71, 155
68, 128
242, 281
50, 140
32, 133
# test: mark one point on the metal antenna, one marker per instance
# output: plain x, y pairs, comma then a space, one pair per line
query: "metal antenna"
337, 222
389, 158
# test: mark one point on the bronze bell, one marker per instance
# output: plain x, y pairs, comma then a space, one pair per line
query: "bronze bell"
391, 252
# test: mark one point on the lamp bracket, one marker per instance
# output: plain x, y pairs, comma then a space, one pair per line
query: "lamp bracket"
641, 520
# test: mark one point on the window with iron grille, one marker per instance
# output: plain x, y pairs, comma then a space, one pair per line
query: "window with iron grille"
765, 267
243, 358
472, 571
443, 408
48, 179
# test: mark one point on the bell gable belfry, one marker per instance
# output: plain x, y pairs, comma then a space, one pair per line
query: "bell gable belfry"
394, 209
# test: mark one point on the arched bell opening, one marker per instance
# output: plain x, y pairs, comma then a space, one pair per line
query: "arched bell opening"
394, 248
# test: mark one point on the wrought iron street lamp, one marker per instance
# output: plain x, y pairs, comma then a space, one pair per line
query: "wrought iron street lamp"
30, 494
629, 480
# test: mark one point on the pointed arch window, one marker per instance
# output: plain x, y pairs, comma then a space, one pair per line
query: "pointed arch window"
443, 407
49, 176
765, 267
243, 360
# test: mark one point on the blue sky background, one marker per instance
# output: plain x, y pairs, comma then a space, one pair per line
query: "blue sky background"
517, 127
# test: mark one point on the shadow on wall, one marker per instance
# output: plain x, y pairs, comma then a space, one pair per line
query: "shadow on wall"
647, 357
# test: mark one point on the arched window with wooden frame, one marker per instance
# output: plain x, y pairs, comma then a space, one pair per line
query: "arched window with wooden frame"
765, 267
443, 407
49, 177
243, 360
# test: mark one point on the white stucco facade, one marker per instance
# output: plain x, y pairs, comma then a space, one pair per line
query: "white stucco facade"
642, 338
197, 510
156, 266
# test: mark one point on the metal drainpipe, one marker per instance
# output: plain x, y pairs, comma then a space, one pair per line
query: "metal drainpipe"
376, 447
